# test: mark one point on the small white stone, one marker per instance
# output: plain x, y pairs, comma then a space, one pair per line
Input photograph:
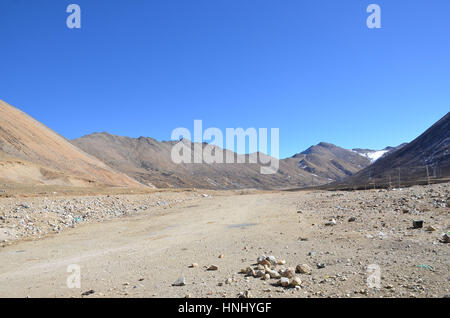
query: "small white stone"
284, 282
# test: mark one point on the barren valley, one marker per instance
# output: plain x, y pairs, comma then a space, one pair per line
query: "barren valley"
132, 223
209, 243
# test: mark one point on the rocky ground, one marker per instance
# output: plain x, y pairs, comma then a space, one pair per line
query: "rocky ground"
34, 218
229, 244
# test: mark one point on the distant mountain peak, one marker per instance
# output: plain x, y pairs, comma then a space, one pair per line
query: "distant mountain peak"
374, 155
426, 158
326, 144
330, 161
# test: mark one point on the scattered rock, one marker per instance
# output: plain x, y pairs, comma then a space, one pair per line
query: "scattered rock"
332, 222
266, 262
304, 269
289, 272
273, 274
89, 292
272, 260
261, 259
213, 268
418, 224
245, 294
295, 281
180, 282
260, 273
284, 281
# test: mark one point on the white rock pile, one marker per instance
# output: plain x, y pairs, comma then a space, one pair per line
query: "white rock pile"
269, 267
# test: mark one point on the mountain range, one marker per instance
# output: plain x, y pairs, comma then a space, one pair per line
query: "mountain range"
31, 153
149, 161
425, 159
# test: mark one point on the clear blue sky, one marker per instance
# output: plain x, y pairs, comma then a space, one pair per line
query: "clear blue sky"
311, 68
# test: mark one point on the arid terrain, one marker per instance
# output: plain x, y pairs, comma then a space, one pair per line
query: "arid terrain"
138, 225
221, 151
140, 245
33, 154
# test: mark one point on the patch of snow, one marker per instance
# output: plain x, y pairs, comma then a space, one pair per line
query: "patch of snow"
373, 155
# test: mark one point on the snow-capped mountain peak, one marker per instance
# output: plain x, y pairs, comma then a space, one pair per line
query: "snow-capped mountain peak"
374, 155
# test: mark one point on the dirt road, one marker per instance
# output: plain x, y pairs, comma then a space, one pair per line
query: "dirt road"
143, 255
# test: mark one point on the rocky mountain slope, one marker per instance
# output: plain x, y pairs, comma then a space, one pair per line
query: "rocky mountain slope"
148, 160
330, 161
409, 164
31, 153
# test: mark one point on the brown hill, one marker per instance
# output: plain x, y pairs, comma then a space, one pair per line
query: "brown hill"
148, 160
31, 153
330, 161
409, 164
